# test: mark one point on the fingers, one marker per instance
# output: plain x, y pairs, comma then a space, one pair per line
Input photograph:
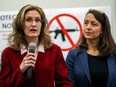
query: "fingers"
28, 61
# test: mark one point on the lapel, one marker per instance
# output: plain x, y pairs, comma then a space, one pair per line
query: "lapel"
84, 61
110, 62
111, 67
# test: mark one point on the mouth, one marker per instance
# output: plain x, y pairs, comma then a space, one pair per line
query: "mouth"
33, 30
88, 32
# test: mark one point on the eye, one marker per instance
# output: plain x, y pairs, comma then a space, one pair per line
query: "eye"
85, 22
94, 24
28, 20
37, 20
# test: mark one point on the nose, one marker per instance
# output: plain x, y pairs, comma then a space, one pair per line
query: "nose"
88, 26
33, 22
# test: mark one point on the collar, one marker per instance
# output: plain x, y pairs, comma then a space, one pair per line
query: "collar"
40, 49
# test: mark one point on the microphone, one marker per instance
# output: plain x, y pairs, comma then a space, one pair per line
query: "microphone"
32, 47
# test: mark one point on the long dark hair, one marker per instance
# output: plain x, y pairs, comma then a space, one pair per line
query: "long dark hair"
106, 43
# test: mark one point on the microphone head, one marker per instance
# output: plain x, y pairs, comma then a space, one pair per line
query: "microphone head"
32, 47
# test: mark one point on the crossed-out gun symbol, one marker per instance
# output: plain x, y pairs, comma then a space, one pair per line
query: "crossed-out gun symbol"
59, 31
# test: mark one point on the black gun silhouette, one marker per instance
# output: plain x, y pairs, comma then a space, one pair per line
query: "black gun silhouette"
59, 31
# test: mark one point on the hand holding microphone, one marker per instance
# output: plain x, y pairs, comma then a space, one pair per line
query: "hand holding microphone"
32, 47
29, 60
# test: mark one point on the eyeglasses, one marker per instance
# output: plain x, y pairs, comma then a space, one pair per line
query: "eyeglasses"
30, 20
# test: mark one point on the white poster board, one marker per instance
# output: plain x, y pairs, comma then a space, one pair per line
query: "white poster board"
65, 26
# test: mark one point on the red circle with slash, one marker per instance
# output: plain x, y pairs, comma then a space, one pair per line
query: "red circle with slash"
73, 45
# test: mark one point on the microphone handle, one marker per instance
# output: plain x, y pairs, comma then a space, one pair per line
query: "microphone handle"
30, 69
29, 72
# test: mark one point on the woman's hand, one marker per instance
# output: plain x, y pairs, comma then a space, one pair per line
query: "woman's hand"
29, 61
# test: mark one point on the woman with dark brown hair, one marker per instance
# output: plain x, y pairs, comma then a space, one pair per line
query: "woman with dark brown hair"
93, 62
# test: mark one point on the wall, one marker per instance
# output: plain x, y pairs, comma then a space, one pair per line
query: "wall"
13, 5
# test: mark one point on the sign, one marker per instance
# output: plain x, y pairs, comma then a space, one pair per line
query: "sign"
65, 25
68, 31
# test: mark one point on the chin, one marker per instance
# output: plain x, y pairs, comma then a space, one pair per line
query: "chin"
33, 36
88, 37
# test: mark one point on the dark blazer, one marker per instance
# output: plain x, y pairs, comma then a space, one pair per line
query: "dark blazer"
79, 70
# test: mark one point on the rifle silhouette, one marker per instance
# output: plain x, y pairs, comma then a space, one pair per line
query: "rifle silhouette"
59, 31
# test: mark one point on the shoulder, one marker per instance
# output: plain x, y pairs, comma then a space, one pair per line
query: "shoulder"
55, 46
8, 50
72, 55
73, 52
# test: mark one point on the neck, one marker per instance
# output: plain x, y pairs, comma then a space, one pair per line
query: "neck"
33, 40
92, 48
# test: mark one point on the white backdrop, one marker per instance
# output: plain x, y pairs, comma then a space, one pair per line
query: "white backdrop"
68, 22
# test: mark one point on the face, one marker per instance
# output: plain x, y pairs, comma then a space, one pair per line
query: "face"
92, 27
32, 25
